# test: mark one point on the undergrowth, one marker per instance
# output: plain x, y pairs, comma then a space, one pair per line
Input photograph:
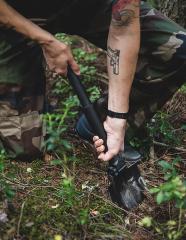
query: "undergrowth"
65, 195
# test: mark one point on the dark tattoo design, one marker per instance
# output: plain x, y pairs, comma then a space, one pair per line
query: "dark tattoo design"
123, 15
123, 18
114, 59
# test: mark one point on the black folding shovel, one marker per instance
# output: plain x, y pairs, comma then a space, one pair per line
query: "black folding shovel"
126, 184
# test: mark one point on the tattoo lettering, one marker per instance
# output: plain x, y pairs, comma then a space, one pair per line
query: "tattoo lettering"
123, 12
114, 59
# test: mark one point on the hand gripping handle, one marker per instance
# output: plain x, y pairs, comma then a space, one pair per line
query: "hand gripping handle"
117, 164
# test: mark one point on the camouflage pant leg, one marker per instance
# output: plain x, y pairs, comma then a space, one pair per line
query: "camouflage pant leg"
22, 90
161, 66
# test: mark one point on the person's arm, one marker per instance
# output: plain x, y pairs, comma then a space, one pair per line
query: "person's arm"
123, 49
57, 54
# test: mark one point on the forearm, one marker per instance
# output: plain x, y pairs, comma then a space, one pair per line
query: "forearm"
10, 18
57, 54
124, 41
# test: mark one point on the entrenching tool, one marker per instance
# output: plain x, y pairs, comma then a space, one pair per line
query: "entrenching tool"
126, 184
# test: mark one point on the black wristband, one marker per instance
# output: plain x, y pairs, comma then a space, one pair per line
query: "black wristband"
117, 115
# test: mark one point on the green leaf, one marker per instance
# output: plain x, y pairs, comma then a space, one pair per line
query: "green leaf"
56, 162
66, 144
160, 197
178, 194
146, 222
165, 165
168, 186
9, 193
1, 167
50, 147
154, 190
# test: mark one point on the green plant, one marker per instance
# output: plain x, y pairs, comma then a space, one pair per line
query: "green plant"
71, 200
68, 192
56, 125
161, 128
166, 231
83, 216
88, 70
172, 190
183, 88
5, 186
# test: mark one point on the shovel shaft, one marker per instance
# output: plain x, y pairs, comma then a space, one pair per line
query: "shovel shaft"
88, 107
78, 87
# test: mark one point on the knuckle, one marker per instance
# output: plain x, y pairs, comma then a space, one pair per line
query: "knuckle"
98, 145
99, 141
65, 46
100, 149
50, 67
60, 71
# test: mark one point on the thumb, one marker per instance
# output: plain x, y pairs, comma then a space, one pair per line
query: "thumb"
74, 66
107, 156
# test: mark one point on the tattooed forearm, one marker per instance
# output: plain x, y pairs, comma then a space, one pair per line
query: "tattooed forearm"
124, 12
114, 59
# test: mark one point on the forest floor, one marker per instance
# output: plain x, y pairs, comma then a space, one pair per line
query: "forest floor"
64, 195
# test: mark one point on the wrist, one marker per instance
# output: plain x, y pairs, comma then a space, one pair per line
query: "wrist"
117, 122
119, 115
45, 39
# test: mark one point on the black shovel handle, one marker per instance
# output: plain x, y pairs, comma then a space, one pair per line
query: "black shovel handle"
88, 107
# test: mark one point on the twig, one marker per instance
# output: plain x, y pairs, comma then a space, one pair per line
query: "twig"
114, 205
20, 218
180, 220
167, 146
27, 185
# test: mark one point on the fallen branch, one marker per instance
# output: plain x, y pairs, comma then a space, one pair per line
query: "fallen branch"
20, 218
168, 146
17, 183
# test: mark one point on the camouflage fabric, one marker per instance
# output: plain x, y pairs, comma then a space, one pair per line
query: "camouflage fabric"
160, 72
21, 126
22, 135
22, 93
161, 68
